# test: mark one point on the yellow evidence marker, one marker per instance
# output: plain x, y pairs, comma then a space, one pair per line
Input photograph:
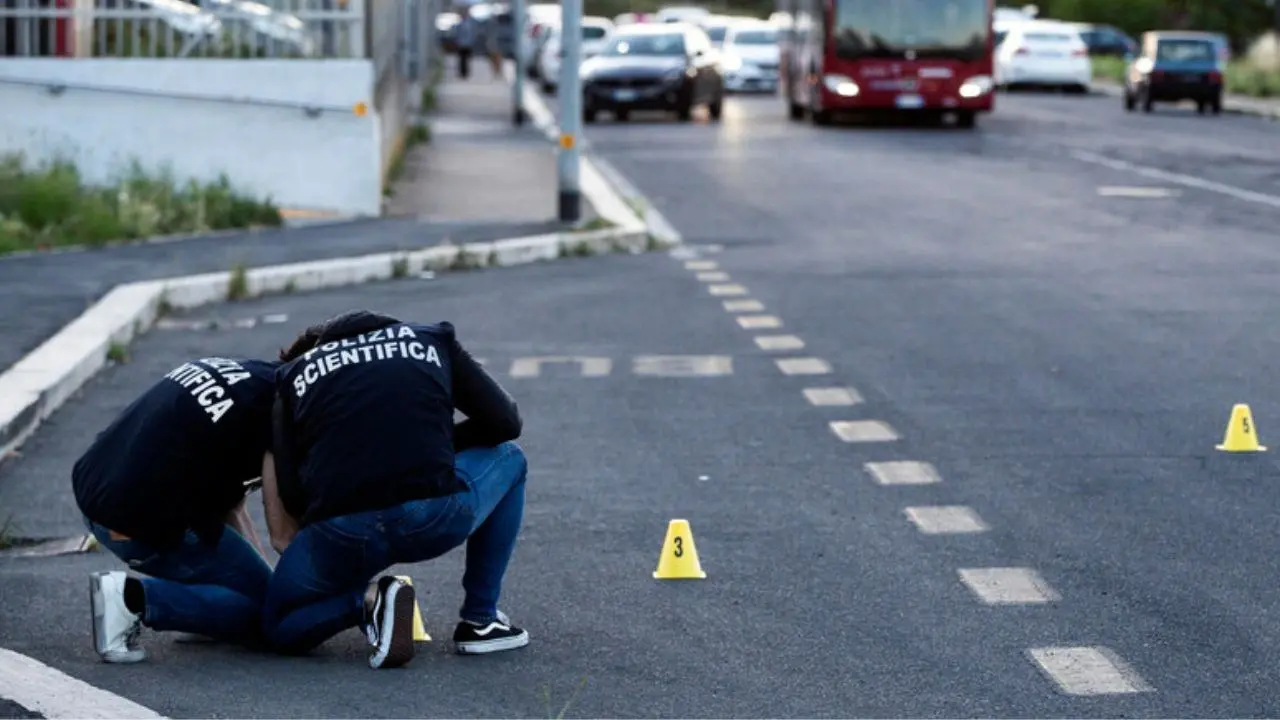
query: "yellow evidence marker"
1241, 435
419, 630
679, 559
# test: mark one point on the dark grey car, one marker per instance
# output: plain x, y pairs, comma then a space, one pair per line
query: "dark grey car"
669, 66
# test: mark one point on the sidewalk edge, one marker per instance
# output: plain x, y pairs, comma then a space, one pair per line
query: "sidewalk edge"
1233, 104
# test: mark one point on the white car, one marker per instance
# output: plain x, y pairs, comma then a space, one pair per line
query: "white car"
749, 58
595, 33
1043, 53
537, 17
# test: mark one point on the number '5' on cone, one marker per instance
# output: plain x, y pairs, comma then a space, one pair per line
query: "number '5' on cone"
419, 630
679, 559
1241, 433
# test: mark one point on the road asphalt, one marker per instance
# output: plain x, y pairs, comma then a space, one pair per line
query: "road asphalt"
1062, 349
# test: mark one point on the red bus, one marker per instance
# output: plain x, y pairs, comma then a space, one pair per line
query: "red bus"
919, 56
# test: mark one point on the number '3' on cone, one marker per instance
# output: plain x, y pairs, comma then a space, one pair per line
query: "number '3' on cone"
1241, 433
419, 630
679, 559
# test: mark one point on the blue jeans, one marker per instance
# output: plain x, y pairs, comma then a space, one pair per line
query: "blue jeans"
319, 585
213, 590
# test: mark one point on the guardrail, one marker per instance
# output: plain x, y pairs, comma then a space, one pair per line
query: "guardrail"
188, 28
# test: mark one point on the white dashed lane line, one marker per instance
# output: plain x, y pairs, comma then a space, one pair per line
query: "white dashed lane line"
758, 322
701, 265
1008, 586
861, 431
779, 342
736, 306
803, 366
903, 472
726, 290
832, 396
714, 276
1088, 671
946, 519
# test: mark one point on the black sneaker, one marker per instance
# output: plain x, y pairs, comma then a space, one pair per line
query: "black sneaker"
390, 628
472, 639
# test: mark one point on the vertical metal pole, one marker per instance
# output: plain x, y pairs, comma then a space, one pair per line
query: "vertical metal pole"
570, 92
517, 87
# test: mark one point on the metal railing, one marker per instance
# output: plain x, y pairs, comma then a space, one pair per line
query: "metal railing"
190, 28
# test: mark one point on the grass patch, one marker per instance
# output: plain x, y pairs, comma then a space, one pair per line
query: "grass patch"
117, 353
416, 135
597, 223
50, 205
238, 283
1243, 78
7, 533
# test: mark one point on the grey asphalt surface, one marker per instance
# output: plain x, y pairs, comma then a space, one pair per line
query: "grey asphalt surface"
1066, 360
43, 292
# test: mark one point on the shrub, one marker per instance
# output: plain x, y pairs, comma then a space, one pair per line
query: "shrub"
50, 205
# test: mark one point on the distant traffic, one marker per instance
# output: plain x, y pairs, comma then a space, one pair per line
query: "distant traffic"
945, 60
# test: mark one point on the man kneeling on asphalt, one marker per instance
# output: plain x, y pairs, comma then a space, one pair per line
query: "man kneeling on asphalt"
159, 488
370, 472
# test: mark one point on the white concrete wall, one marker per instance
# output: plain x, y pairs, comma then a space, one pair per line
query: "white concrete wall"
198, 117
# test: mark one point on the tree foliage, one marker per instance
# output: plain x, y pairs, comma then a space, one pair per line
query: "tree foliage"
1240, 20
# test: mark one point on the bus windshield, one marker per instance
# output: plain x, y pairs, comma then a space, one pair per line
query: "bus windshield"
927, 28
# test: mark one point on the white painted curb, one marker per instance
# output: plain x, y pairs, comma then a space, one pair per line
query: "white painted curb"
39, 383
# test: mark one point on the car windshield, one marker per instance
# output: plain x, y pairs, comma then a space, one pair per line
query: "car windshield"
1044, 38
1186, 51
665, 44
926, 28
593, 32
755, 37
717, 32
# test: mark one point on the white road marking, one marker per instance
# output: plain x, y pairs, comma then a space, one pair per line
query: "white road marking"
743, 306
758, 322
903, 472
779, 342
532, 366
1179, 179
724, 290
683, 365
1008, 586
832, 396
946, 519
700, 265
54, 694
275, 318
713, 277
856, 431
803, 366
1137, 192
1088, 671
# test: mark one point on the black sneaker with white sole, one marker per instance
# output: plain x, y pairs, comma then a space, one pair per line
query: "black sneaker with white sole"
390, 627
496, 636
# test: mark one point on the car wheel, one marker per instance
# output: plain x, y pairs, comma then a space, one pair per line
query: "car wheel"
1216, 106
588, 116
966, 119
622, 115
684, 113
820, 117
1147, 103
1129, 101
1201, 107
716, 107
794, 111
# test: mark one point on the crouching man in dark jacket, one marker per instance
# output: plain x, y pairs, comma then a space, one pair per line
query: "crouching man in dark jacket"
370, 472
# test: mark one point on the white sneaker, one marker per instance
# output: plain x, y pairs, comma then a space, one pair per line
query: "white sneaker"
115, 629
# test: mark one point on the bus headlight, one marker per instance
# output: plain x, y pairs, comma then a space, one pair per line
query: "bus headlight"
842, 85
976, 86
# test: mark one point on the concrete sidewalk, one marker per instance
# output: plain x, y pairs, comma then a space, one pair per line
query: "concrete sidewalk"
477, 163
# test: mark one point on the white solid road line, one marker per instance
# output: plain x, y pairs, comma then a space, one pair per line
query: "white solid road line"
743, 306
859, 431
832, 396
1178, 178
1008, 586
720, 290
758, 322
1088, 671
803, 366
700, 265
779, 342
1146, 193
54, 694
903, 472
946, 519
713, 277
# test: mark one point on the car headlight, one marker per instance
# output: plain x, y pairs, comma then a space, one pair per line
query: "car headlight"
976, 86
842, 85
731, 63
674, 75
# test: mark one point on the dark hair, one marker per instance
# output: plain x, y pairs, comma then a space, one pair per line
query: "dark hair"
342, 325
306, 340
